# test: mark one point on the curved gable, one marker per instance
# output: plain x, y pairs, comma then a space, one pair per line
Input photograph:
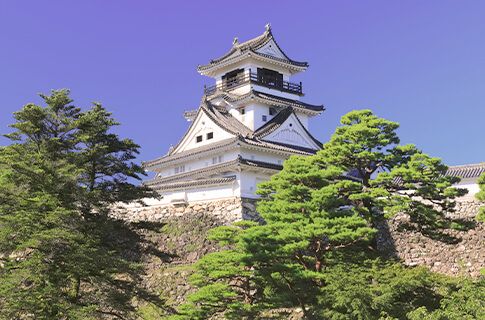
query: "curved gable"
201, 126
272, 49
292, 132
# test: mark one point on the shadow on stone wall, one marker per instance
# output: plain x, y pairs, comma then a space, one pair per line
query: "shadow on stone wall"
457, 249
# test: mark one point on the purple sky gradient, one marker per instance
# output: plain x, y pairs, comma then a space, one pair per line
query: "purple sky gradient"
420, 63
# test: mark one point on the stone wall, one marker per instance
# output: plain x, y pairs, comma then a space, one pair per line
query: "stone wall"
225, 210
457, 250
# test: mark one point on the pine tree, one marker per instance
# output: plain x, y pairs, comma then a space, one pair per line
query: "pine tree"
280, 263
319, 214
395, 178
58, 259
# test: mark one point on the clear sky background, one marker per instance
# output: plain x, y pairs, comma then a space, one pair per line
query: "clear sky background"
420, 63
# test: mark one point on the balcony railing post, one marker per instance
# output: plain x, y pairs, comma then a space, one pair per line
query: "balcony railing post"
249, 77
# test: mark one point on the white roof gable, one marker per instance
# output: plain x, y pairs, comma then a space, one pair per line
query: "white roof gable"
272, 49
292, 132
201, 126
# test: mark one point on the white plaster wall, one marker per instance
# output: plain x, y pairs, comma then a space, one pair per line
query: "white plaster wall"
201, 194
263, 156
472, 188
199, 163
201, 126
303, 119
249, 181
257, 112
291, 132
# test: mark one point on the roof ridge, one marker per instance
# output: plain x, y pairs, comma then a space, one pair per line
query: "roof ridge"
468, 165
239, 49
274, 123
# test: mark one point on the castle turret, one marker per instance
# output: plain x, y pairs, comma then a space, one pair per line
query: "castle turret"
247, 124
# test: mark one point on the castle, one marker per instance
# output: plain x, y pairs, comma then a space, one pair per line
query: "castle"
247, 124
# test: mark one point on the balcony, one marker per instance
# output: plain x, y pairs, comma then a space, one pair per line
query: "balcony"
255, 78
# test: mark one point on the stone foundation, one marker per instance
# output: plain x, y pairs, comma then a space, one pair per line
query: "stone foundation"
225, 210
459, 250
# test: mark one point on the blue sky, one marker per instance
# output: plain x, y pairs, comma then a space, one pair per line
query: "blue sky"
420, 63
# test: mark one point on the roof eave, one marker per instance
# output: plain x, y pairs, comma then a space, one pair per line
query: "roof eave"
211, 69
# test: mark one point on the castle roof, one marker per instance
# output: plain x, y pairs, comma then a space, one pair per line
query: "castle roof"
159, 185
253, 48
265, 98
277, 121
224, 145
467, 171
237, 164
272, 100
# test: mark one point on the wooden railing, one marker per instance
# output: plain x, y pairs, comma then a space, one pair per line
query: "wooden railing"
253, 77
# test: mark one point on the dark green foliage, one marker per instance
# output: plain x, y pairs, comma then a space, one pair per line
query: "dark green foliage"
481, 196
280, 264
464, 300
395, 178
313, 250
58, 257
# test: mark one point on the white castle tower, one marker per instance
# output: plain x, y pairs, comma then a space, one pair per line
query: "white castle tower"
247, 124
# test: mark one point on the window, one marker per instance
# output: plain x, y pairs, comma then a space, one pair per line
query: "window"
210, 135
179, 169
265, 118
233, 78
272, 111
198, 139
216, 160
270, 78
243, 111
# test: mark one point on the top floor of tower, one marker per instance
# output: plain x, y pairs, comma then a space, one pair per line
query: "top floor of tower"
257, 64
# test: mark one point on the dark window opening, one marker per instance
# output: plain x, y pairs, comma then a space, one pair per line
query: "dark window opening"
232, 78
198, 139
270, 77
272, 111
265, 118
243, 111
210, 135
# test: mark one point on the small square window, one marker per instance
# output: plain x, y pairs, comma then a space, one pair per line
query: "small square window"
272, 111
265, 118
210, 135
198, 139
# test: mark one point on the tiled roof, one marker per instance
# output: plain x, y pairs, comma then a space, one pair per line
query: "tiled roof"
243, 136
239, 50
190, 114
188, 153
274, 123
464, 172
272, 100
225, 120
223, 145
278, 146
215, 169
161, 186
467, 171
277, 121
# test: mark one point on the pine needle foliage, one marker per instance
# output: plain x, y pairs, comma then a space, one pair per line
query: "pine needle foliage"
320, 214
58, 179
